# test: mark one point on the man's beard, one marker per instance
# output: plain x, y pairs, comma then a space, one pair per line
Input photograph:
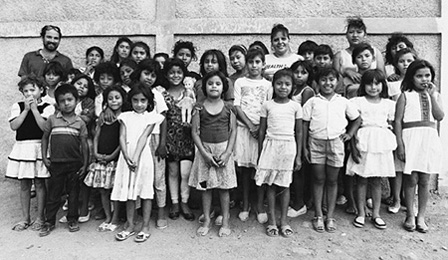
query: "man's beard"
50, 46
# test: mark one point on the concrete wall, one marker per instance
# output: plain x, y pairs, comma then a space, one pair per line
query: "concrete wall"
209, 24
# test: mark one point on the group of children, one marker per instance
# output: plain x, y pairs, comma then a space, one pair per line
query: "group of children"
281, 120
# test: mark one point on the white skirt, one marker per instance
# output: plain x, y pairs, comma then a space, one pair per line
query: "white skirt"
246, 148
25, 161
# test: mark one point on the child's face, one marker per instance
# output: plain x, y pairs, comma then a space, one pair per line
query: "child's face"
309, 55
421, 78
139, 103
237, 60
280, 43
355, 35
70, 77
323, 61
148, 78
327, 84
214, 87
175, 76
161, 60
374, 89
138, 54
397, 48
52, 79
123, 50
283, 87
125, 74
106, 80
31, 90
185, 56
255, 66
364, 60
404, 61
94, 58
300, 76
114, 100
211, 64
67, 103
82, 86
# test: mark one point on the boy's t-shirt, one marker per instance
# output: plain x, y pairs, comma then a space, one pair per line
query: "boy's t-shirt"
65, 138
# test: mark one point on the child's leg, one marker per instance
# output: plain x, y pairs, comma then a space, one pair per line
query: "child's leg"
105, 202
159, 177
146, 207
361, 191
41, 192
55, 189
206, 206
116, 213
261, 191
185, 168
84, 196
410, 181
284, 203
271, 204
376, 195
423, 196
398, 181
25, 197
318, 187
349, 193
245, 176
225, 207
298, 185
332, 188
173, 183
130, 211
72, 186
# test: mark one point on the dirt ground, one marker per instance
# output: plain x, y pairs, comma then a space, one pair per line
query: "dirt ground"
247, 241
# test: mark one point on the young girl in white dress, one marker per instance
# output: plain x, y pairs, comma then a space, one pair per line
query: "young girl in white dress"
373, 157
134, 176
280, 144
419, 149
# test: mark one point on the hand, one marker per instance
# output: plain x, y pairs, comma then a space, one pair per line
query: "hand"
223, 159
353, 75
46, 162
210, 160
82, 173
85, 111
160, 152
356, 155
297, 163
345, 137
109, 116
29, 101
307, 155
393, 77
101, 158
430, 88
131, 164
400, 153
254, 131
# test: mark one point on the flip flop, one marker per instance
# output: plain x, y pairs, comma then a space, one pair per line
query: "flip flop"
422, 228
37, 225
141, 237
318, 224
359, 222
224, 232
286, 231
331, 225
272, 230
103, 227
379, 223
408, 227
21, 226
244, 215
111, 227
161, 224
202, 231
123, 235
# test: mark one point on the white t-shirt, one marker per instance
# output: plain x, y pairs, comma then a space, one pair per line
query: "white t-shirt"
273, 63
281, 118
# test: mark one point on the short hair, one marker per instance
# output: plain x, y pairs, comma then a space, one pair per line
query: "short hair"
46, 28
239, 47
115, 58
400, 54
279, 28
252, 53
368, 78
95, 48
395, 39
65, 89
256, 44
74, 71
108, 68
149, 65
161, 54
129, 62
360, 48
306, 65
222, 64
32, 79
185, 45
408, 81
324, 72
225, 84
283, 73
307, 46
356, 22
323, 49
142, 45
140, 88
56, 68
119, 89
90, 85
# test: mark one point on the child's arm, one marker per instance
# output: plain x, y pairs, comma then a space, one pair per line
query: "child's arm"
307, 94
299, 137
99, 157
353, 127
123, 147
242, 116
88, 112
262, 134
398, 128
18, 121
44, 148
161, 149
142, 140
224, 157
436, 108
306, 151
85, 157
195, 128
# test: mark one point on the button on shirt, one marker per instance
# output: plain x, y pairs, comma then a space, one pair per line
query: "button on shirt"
328, 118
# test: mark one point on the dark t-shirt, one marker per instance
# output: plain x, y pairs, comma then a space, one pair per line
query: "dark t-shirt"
33, 62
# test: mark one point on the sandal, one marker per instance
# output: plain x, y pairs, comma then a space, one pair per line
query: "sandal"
331, 225
359, 222
244, 215
286, 231
224, 232
318, 224
379, 223
37, 225
422, 228
272, 230
123, 235
103, 227
46, 229
161, 224
21, 226
141, 237
408, 227
111, 227
202, 231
